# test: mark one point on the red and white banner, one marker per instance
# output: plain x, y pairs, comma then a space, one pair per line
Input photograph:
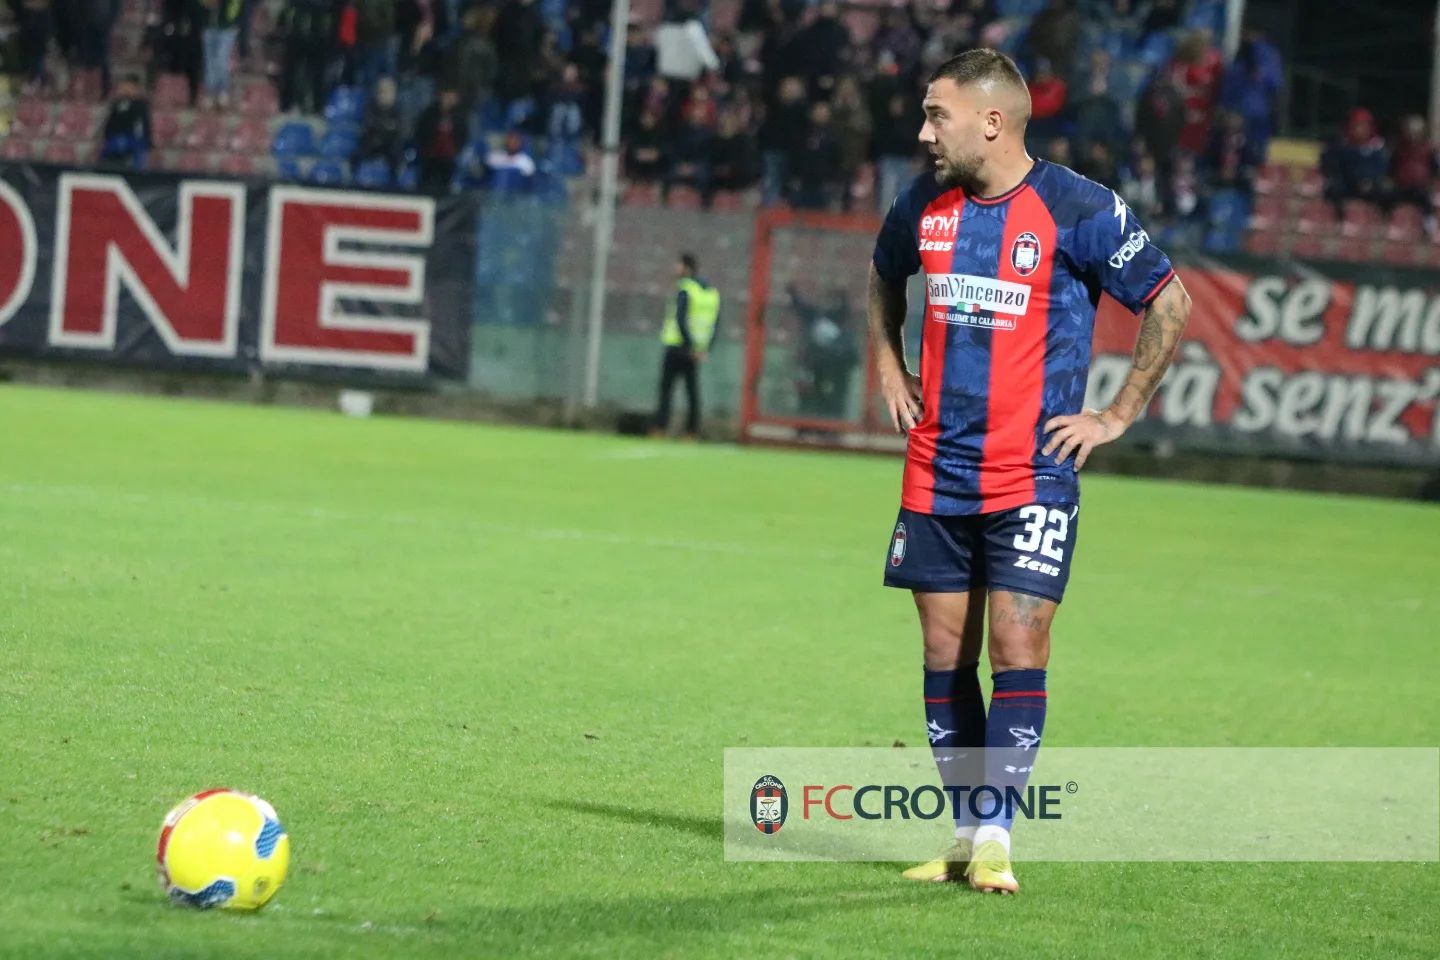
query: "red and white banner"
167, 271
1339, 361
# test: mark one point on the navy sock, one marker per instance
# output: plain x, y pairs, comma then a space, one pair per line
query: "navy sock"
1012, 738
955, 722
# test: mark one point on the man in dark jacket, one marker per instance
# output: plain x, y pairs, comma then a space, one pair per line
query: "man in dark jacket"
440, 137
381, 138
375, 42
308, 29
126, 139
519, 30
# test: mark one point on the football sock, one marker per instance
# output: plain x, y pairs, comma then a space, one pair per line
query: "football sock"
1012, 738
955, 722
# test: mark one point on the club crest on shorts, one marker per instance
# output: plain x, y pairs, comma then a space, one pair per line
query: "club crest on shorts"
897, 546
1025, 254
769, 804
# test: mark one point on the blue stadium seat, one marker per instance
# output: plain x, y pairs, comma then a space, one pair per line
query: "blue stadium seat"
288, 168
409, 178
373, 175
327, 173
347, 105
294, 139
1209, 14
338, 143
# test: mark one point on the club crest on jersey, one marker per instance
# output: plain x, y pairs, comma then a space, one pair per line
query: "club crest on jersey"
769, 804
1025, 254
897, 546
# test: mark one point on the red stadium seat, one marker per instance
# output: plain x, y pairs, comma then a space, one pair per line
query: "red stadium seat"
1317, 217
18, 148
165, 129
77, 121
32, 118
1405, 225
84, 86
195, 161
1272, 178
62, 151
260, 100
1403, 253
172, 91
1307, 182
250, 136
1311, 246
206, 132
1362, 220
1270, 210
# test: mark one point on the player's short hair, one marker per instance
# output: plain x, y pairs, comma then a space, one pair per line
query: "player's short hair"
985, 66
688, 261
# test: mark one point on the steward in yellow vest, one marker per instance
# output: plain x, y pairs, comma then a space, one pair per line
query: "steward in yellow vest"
688, 330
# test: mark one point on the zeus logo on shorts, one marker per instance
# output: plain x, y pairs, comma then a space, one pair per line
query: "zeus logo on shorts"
1029, 563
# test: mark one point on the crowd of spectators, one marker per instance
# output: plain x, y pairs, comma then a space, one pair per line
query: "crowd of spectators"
1362, 165
787, 100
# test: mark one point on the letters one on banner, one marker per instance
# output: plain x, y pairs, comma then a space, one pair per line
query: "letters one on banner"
158, 270
1328, 360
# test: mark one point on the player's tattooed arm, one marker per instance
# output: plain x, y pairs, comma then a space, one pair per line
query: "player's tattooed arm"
900, 388
1160, 330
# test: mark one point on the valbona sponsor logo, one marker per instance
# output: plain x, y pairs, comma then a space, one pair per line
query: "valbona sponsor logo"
973, 301
769, 804
1129, 248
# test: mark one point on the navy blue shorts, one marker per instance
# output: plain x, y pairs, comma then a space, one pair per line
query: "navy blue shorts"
1024, 550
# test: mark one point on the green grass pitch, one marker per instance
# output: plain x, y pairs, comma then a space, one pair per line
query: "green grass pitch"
486, 676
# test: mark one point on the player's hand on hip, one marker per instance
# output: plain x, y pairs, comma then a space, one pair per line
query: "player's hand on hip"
1080, 433
903, 400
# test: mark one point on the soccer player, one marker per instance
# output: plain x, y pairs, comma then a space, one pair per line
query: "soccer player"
1016, 254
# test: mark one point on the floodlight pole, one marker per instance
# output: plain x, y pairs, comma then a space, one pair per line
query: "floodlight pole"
605, 212
1234, 20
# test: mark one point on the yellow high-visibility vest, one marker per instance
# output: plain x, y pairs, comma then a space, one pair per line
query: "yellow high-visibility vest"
702, 310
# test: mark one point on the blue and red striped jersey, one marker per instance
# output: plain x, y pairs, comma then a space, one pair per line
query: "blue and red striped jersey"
1011, 288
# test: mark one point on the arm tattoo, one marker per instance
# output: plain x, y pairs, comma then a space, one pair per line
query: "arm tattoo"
1160, 331
886, 310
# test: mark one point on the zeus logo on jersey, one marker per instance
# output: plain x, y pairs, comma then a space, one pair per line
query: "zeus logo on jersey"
1129, 248
965, 296
937, 232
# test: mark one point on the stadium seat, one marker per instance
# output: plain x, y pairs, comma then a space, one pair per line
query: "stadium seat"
373, 175
338, 144
250, 136
1311, 246
206, 132
165, 129
347, 105
1265, 243
1270, 210
1272, 178
260, 100
409, 178
32, 118
1307, 182
295, 139
327, 173
77, 121
1362, 221
172, 92
195, 161
84, 86
1405, 225
1316, 217
63, 152
289, 168
18, 148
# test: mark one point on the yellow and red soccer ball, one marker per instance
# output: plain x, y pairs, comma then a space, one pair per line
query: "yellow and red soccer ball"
222, 848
